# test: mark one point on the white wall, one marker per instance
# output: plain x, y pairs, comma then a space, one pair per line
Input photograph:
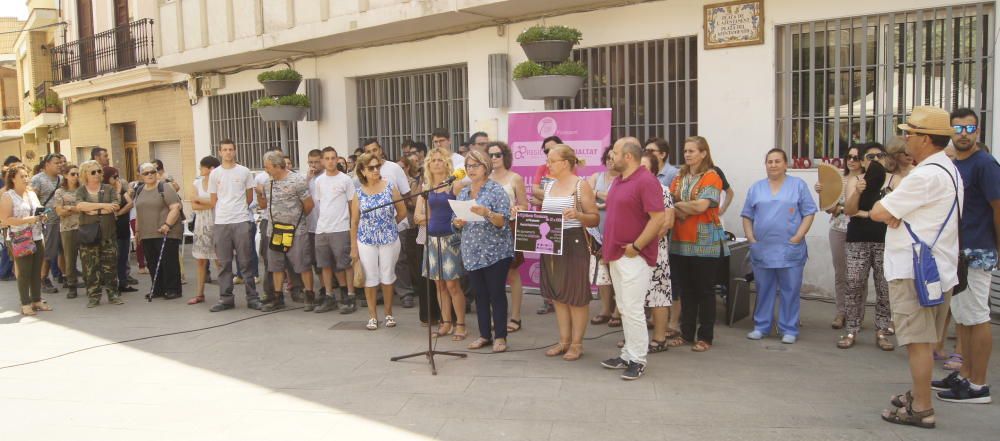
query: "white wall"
736, 86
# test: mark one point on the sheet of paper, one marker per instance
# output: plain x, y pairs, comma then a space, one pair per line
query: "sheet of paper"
463, 210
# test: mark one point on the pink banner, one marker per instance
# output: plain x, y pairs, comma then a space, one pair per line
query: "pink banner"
588, 131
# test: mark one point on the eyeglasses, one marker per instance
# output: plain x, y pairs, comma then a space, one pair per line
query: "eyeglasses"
496, 155
553, 161
148, 173
96, 172
473, 165
872, 156
853, 158
969, 128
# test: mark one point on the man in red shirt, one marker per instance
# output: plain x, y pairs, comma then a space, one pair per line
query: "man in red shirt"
635, 213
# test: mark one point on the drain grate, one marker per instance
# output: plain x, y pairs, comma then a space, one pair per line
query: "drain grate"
349, 326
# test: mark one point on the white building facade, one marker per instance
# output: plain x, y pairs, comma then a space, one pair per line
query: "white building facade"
827, 73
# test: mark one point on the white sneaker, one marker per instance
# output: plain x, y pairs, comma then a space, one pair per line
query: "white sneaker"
372, 324
390, 322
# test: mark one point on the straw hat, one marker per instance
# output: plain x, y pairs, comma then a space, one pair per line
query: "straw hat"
928, 120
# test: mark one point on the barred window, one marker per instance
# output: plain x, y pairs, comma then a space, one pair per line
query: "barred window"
231, 117
410, 105
850, 80
651, 87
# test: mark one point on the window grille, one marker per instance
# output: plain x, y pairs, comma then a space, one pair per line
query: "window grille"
850, 80
651, 87
231, 117
410, 105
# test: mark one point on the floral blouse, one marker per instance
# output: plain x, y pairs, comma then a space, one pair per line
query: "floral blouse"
483, 243
377, 227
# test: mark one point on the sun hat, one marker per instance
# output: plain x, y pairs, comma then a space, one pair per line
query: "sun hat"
928, 120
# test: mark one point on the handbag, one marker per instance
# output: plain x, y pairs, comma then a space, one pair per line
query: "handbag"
22, 243
359, 273
962, 266
90, 234
926, 277
593, 246
282, 234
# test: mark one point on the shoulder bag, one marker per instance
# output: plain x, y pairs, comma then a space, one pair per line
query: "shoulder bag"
926, 278
89, 234
282, 234
22, 243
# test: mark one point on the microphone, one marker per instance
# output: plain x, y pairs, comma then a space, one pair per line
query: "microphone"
457, 175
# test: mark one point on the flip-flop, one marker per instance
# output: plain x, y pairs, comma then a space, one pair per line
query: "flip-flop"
600, 319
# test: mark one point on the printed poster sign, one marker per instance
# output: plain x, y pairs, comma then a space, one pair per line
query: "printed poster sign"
538, 232
739, 23
587, 131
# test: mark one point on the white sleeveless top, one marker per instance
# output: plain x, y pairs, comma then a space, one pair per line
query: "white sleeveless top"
202, 193
556, 204
25, 207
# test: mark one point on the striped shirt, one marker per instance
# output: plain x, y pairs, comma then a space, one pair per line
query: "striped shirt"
556, 204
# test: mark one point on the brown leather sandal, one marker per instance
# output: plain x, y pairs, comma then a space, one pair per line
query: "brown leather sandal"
907, 417
883, 342
701, 346
846, 341
558, 349
479, 343
28, 310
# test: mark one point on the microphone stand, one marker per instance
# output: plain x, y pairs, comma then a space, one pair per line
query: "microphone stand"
430, 352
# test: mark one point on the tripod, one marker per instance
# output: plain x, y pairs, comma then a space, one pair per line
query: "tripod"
430, 352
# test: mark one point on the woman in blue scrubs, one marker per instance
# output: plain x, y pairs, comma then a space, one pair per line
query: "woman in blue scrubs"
776, 217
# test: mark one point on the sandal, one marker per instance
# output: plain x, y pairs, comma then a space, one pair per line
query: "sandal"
954, 362
883, 342
846, 341
441, 326
701, 346
27, 310
673, 333
196, 300
574, 353
372, 324
500, 345
907, 417
479, 343
459, 336
679, 341
657, 346
615, 322
513, 325
390, 321
41, 306
898, 400
600, 319
558, 349
838, 322
939, 356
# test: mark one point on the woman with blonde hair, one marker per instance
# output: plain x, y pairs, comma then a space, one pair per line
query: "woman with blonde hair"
98, 203
563, 279
443, 263
697, 243
69, 223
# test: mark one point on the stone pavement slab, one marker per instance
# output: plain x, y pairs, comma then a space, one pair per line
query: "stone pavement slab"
310, 376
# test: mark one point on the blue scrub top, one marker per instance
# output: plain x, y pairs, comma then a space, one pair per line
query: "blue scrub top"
776, 218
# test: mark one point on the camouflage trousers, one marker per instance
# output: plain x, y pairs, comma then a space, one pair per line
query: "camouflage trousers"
100, 268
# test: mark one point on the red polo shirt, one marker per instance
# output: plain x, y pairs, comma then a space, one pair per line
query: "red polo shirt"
628, 206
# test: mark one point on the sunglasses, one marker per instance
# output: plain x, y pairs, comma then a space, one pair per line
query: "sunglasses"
96, 172
969, 128
373, 168
149, 173
871, 156
496, 155
853, 158
74, 174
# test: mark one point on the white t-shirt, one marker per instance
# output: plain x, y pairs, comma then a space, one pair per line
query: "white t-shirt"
332, 195
923, 200
230, 186
393, 173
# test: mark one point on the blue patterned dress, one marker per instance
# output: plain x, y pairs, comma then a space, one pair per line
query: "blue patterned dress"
483, 244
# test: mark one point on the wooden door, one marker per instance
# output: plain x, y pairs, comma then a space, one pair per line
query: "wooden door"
131, 161
85, 21
124, 47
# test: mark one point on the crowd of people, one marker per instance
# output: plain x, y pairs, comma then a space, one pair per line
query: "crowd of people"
650, 233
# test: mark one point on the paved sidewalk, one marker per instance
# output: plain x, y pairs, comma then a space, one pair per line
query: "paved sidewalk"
305, 376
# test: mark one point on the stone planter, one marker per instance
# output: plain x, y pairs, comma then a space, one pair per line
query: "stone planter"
549, 86
548, 51
282, 113
280, 87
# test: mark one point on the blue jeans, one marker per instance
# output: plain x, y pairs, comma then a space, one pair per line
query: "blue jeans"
6, 263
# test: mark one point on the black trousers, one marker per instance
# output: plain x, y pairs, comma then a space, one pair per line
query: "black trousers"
695, 279
490, 287
421, 288
169, 278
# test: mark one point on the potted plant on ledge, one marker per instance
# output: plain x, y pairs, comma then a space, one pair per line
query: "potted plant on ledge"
543, 44
280, 82
536, 82
283, 108
48, 104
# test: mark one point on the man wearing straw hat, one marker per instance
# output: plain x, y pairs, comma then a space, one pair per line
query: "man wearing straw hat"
923, 204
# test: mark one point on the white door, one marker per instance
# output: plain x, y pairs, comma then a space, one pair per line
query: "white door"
170, 153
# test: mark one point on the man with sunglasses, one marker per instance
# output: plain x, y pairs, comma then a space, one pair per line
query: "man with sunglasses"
979, 240
45, 184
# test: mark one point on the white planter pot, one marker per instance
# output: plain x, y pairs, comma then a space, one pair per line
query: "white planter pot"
548, 51
549, 86
280, 87
282, 113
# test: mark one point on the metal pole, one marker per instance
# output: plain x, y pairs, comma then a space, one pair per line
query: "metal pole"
283, 135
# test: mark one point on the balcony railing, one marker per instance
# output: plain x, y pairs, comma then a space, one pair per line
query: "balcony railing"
114, 50
10, 119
